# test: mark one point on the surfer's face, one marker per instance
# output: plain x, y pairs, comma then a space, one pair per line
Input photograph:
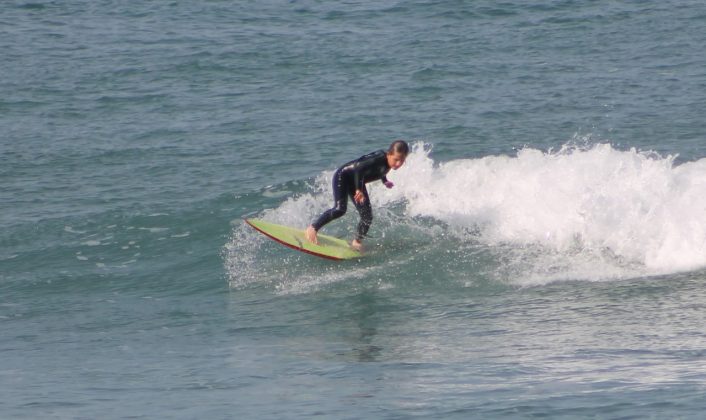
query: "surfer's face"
395, 160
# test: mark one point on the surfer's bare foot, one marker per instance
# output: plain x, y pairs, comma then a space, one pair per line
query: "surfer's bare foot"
357, 245
311, 235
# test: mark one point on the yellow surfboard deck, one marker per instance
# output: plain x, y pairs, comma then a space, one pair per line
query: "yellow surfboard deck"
328, 246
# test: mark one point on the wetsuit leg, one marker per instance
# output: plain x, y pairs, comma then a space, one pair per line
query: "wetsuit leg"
366, 216
340, 198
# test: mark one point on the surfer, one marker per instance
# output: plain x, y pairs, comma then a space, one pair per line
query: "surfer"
349, 181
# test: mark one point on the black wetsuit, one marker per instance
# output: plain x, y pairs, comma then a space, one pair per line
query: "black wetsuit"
351, 177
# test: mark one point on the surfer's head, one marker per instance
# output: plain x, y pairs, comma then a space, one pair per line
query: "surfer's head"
397, 153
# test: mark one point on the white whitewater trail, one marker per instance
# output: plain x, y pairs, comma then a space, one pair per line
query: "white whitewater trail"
638, 206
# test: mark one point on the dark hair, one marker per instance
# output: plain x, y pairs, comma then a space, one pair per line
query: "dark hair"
399, 146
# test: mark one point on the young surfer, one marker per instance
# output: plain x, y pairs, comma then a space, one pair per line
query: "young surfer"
349, 181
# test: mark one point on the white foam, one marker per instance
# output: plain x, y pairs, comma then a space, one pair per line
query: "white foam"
154, 229
70, 229
637, 206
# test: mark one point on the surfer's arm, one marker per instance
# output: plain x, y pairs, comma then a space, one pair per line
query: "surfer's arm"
366, 166
358, 178
358, 181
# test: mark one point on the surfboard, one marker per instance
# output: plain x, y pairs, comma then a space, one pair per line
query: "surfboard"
328, 246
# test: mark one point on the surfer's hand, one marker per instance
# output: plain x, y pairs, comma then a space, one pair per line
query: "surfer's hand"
389, 184
359, 197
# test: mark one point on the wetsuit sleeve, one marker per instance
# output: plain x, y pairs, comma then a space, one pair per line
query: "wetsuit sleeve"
366, 167
362, 167
358, 179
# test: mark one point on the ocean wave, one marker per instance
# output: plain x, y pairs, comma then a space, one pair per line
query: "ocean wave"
582, 212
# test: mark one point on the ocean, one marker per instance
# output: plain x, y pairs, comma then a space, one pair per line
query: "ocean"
542, 253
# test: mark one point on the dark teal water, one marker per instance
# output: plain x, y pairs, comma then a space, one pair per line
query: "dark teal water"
543, 251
